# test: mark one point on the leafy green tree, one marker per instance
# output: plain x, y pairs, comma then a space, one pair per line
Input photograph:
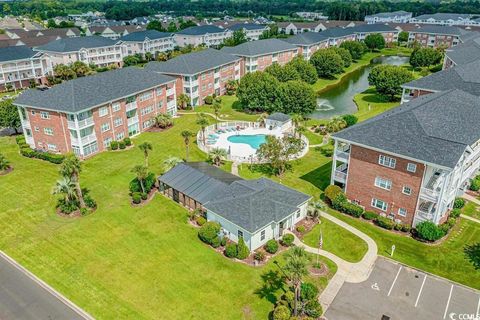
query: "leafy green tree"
9, 117
146, 147
257, 91
203, 122
64, 72
283, 74
388, 79
428, 230
156, 25
217, 155
71, 168
305, 70
186, 135
242, 250
81, 69
327, 63
141, 172
375, 41
425, 57
472, 251
356, 48
51, 24
172, 27
231, 87
403, 36
278, 151
296, 97
238, 37
344, 54
132, 60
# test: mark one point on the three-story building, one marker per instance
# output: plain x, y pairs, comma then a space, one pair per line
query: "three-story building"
151, 41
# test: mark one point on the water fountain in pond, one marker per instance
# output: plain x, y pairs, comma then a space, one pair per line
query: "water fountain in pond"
323, 105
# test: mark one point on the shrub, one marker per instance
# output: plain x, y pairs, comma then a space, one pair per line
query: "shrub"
28, 152
259, 256
144, 196
455, 213
20, 139
242, 250
271, 246
114, 145
122, 145
406, 228
332, 191
313, 309
148, 184
209, 231
308, 291
287, 239
459, 203
208, 100
370, 215
281, 312
351, 209
216, 242
350, 119
67, 207
301, 229
89, 202
427, 230
128, 141
384, 223
397, 226
231, 250
451, 222
137, 197
223, 242
200, 220
83, 211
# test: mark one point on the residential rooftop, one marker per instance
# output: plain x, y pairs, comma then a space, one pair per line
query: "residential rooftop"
16, 53
246, 26
140, 36
444, 16
464, 53
435, 128
389, 14
193, 63
436, 29
259, 47
374, 27
307, 38
87, 92
338, 32
201, 30
77, 43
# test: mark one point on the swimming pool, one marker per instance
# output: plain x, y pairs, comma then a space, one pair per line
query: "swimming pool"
253, 140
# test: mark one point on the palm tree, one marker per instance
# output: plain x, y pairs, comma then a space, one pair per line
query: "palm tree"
217, 155
296, 268
202, 121
216, 107
162, 56
186, 135
261, 119
71, 168
163, 120
146, 147
4, 163
81, 69
148, 56
66, 187
182, 101
171, 162
142, 173
296, 120
301, 130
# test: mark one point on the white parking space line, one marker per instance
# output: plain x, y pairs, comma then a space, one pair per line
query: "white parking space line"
395, 280
448, 302
420, 292
478, 307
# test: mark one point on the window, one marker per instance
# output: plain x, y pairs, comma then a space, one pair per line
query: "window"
147, 123
48, 131
412, 167
51, 147
36, 129
118, 122
386, 161
103, 111
204, 87
262, 235
239, 234
298, 214
159, 91
116, 107
120, 135
44, 115
106, 142
147, 110
402, 212
204, 75
383, 183
33, 112
105, 126
146, 96
379, 204
407, 190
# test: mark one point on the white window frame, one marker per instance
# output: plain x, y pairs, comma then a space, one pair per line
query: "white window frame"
383, 183
239, 234
262, 235
146, 96
407, 193
404, 214
411, 167
51, 147
120, 135
44, 115
102, 112
116, 106
105, 127
375, 203
387, 161
48, 131
117, 122
159, 91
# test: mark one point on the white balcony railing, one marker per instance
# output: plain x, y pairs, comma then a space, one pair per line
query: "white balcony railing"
170, 92
81, 123
83, 140
132, 120
25, 123
131, 106
29, 140
171, 104
429, 194
340, 176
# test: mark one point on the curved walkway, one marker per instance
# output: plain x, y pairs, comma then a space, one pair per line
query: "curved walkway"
347, 271
474, 200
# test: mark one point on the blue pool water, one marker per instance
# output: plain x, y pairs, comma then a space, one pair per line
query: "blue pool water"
253, 141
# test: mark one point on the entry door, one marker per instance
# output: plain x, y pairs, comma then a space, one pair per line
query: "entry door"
175, 195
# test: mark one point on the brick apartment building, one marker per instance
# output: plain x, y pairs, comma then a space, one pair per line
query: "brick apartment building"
338, 35
440, 36
462, 54
389, 33
411, 162
86, 114
258, 55
95, 50
200, 74
308, 43
151, 41
19, 65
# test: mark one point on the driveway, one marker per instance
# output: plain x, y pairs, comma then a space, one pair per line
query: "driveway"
394, 291
22, 297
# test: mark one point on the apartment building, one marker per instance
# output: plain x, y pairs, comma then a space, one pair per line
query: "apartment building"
56, 32
338, 35
258, 55
20, 65
200, 74
208, 35
86, 114
95, 50
293, 28
389, 33
446, 19
464, 77
411, 162
439, 36
112, 32
386, 17
252, 31
308, 43
462, 54
152, 41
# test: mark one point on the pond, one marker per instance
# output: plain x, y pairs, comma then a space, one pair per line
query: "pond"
338, 99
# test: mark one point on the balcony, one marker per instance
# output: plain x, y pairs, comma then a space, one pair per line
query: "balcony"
132, 120
170, 92
340, 173
216, 75
81, 123
171, 104
426, 210
29, 140
83, 140
131, 106
342, 152
26, 123
429, 194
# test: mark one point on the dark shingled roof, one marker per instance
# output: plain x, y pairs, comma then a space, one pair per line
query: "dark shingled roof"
389, 14
259, 47
201, 30
193, 63
278, 116
87, 92
77, 43
16, 53
198, 180
444, 16
435, 128
338, 32
253, 204
465, 52
142, 35
307, 38
464, 77
436, 29
246, 26
374, 27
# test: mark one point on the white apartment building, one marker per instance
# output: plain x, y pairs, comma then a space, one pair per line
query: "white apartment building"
151, 41
389, 17
208, 35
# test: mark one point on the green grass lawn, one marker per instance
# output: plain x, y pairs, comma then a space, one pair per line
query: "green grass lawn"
471, 209
370, 104
337, 240
123, 262
230, 110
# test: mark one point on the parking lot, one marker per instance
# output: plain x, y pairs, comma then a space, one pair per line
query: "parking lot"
394, 291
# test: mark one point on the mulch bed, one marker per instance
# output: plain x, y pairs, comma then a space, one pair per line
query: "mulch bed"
319, 272
5, 172
75, 214
126, 148
307, 223
472, 193
158, 129
150, 196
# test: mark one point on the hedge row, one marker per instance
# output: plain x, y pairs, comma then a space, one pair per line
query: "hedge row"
28, 152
